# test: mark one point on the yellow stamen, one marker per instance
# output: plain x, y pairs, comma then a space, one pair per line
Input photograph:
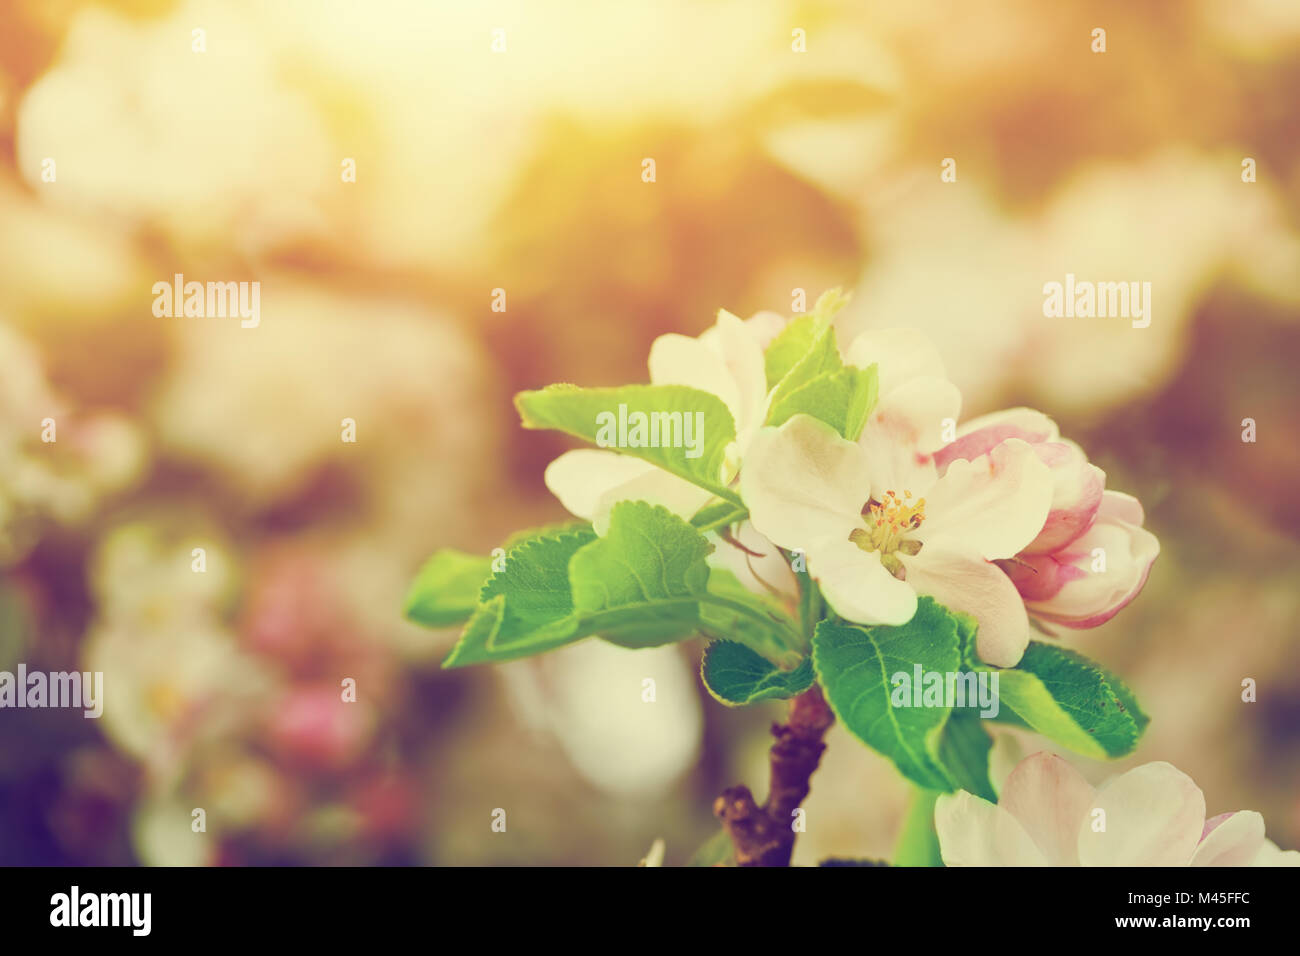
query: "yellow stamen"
888, 522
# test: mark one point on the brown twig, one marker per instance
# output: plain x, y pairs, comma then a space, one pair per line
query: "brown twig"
763, 836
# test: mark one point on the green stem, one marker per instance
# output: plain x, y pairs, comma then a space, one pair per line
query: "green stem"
740, 514
752, 613
810, 605
918, 844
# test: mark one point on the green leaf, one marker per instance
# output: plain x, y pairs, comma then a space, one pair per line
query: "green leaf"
918, 843
967, 632
608, 417
544, 531
640, 585
856, 665
963, 750
1072, 700
717, 850
822, 357
645, 583
830, 303
800, 337
842, 399
479, 641
791, 344
760, 622
526, 607
804, 338
534, 581
472, 646
735, 675
446, 588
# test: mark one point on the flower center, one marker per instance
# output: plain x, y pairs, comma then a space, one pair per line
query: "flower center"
886, 525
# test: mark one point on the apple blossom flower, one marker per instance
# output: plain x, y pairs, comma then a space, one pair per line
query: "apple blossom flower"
914, 398
872, 551
1092, 555
727, 361
1069, 588
1049, 815
1078, 484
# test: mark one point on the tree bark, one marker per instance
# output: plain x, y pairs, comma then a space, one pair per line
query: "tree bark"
764, 836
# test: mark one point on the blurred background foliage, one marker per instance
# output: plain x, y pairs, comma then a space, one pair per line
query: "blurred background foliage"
521, 170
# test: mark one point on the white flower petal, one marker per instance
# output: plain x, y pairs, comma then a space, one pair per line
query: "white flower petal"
1270, 854
1049, 798
803, 483
895, 466
656, 486
766, 326
965, 582
1122, 507
579, 478
902, 430
744, 360
857, 586
681, 360
900, 354
1154, 817
762, 327
1232, 839
974, 832
916, 411
993, 506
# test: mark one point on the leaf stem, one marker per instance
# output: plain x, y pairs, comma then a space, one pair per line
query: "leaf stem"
745, 610
918, 845
730, 518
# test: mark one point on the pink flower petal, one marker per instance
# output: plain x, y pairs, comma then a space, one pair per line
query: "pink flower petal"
993, 506
1076, 495
1083, 597
1230, 839
981, 435
1040, 577
1049, 798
